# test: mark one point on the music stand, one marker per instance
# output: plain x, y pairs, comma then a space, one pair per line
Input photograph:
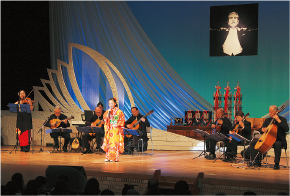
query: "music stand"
240, 138
204, 135
132, 132
58, 130
90, 129
217, 136
40, 130
18, 108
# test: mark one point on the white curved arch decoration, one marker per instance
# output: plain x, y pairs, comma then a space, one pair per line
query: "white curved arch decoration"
66, 100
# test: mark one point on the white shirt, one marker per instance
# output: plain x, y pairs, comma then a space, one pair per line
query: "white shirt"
232, 44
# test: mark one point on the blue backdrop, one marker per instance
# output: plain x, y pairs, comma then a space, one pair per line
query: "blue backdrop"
162, 50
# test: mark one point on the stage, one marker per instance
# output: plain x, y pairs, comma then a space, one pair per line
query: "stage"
175, 165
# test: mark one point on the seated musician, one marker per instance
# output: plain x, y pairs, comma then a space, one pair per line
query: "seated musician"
282, 128
24, 122
225, 126
102, 107
241, 127
96, 120
64, 124
136, 116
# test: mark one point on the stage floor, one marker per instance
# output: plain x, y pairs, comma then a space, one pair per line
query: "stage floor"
171, 163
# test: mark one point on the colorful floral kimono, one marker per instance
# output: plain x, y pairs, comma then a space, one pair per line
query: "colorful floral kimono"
114, 136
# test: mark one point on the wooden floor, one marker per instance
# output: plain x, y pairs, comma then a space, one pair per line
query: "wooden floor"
171, 163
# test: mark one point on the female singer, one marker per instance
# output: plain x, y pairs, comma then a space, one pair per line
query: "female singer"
113, 143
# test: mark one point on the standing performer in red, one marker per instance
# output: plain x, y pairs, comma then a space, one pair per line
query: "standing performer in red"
24, 123
113, 143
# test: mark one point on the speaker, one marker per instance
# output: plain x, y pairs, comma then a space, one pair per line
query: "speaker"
76, 175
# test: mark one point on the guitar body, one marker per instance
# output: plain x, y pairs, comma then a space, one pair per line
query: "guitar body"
75, 144
57, 121
135, 124
97, 123
267, 140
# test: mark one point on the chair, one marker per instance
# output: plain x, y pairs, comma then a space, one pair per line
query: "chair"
148, 130
61, 143
266, 164
93, 146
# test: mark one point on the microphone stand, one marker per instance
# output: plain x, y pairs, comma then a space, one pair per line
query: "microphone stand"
40, 130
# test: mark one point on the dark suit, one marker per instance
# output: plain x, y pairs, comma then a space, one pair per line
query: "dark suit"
246, 133
63, 125
225, 128
141, 129
87, 137
280, 140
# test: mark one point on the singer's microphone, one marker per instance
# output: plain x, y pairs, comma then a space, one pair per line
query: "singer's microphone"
109, 112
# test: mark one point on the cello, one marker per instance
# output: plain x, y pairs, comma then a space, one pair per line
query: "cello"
268, 138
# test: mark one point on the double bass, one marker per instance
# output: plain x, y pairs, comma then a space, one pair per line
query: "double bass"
268, 138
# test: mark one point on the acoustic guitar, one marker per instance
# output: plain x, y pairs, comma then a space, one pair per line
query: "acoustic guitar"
135, 123
57, 121
97, 123
268, 138
236, 129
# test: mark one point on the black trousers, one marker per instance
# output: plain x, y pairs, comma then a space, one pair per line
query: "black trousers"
66, 137
278, 145
87, 137
232, 147
254, 153
210, 145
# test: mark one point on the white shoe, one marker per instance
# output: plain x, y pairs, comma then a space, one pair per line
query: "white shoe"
111, 160
106, 160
